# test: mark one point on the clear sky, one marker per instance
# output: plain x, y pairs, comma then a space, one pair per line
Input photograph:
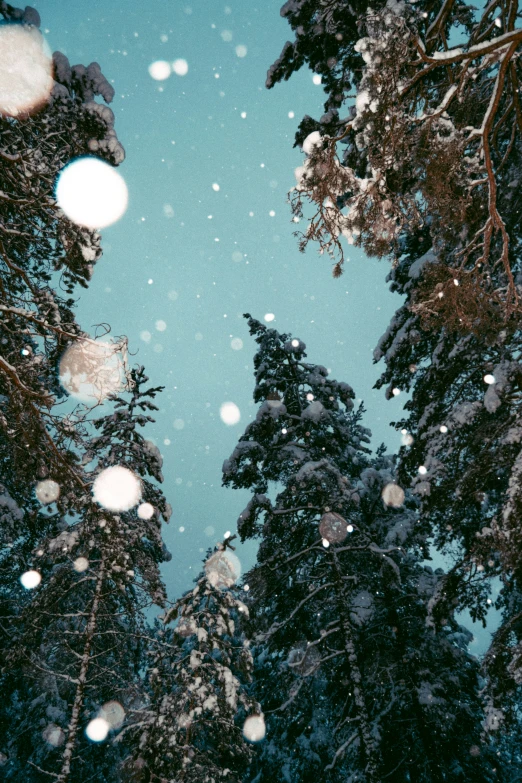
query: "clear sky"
186, 261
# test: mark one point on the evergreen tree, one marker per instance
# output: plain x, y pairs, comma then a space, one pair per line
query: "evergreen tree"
425, 168
43, 257
71, 649
191, 730
338, 599
80, 642
432, 137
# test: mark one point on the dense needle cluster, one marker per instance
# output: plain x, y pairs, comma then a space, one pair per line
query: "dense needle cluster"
424, 167
339, 599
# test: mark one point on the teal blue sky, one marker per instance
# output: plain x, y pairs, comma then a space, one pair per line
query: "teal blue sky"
168, 260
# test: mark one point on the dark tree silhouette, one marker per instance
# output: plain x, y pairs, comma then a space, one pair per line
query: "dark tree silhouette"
354, 684
71, 649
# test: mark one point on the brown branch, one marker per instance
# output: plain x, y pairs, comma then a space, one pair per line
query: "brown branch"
15, 268
496, 222
446, 58
479, 50
13, 375
438, 24
27, 314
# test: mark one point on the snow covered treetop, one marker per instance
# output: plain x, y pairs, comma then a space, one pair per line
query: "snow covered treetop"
305, 421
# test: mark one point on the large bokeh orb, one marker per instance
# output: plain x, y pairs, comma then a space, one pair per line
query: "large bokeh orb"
223, 569
26, 69
117, 489
91, 370
333, 527
393, 495
91, 193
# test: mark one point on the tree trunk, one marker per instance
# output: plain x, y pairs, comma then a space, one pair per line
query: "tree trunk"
72, 730
370, 752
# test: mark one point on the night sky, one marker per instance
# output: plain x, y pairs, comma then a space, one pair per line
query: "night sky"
187, 260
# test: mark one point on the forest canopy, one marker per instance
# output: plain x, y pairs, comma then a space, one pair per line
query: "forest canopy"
341, 654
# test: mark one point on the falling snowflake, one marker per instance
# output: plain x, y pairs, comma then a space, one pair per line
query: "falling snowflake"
159, 70
230, 413
145, 511
393, 495
47, 491
91, 370
180, 67
30, 579
26, 69
98, 729
91, 193
332, 528
223, 569
81, 564
117, 489
254, 728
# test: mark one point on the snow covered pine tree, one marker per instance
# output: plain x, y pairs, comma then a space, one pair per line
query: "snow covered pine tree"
70, 649
425, 168
354, 685
191, 729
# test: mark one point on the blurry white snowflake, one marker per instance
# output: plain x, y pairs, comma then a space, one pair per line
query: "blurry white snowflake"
254, 728
230, 413
47, 491
91, 193
160, 70
180, 67
91, 370
223, 569
117, 489
30, 579
26, 69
